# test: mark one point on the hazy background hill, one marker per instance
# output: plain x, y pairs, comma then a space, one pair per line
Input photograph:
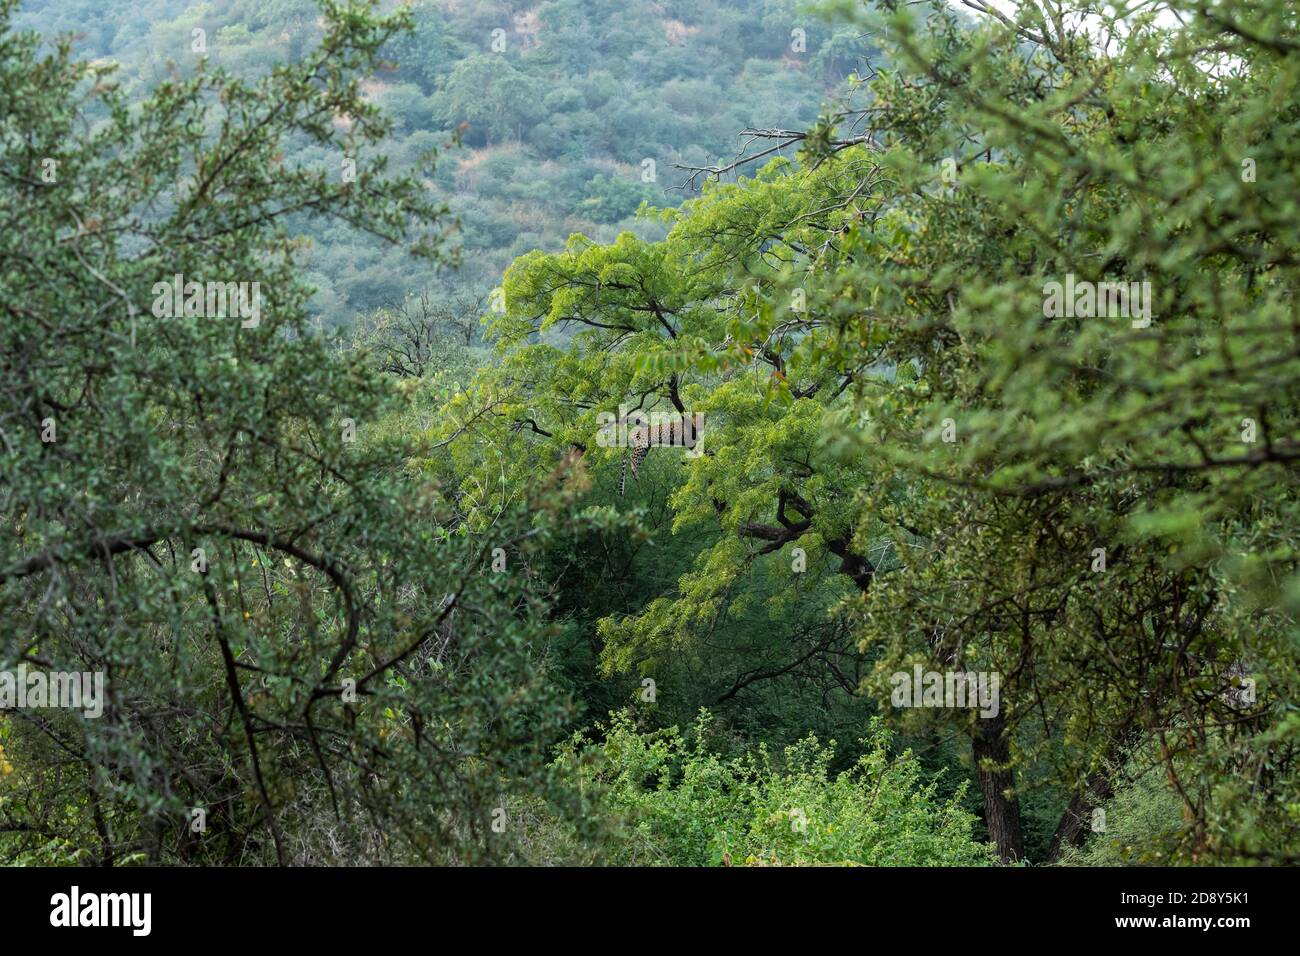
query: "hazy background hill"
562, 106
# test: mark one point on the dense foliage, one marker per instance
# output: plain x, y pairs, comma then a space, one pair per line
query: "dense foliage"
441, 616
686, 806
196, 507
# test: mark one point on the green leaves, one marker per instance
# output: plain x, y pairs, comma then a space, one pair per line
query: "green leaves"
682, 804
1059, 494
321, 634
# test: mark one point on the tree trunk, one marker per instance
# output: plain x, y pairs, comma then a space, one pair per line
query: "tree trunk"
1076, 822
1001, 813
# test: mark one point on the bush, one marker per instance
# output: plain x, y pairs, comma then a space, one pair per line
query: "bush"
683, 804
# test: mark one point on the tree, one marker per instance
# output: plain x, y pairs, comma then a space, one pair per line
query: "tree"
611, 198
491, 96
1121, 432
415, 334
1091, 508
306, 659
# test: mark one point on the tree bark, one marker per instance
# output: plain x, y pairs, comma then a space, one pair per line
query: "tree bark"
1001, 812
1076, 822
